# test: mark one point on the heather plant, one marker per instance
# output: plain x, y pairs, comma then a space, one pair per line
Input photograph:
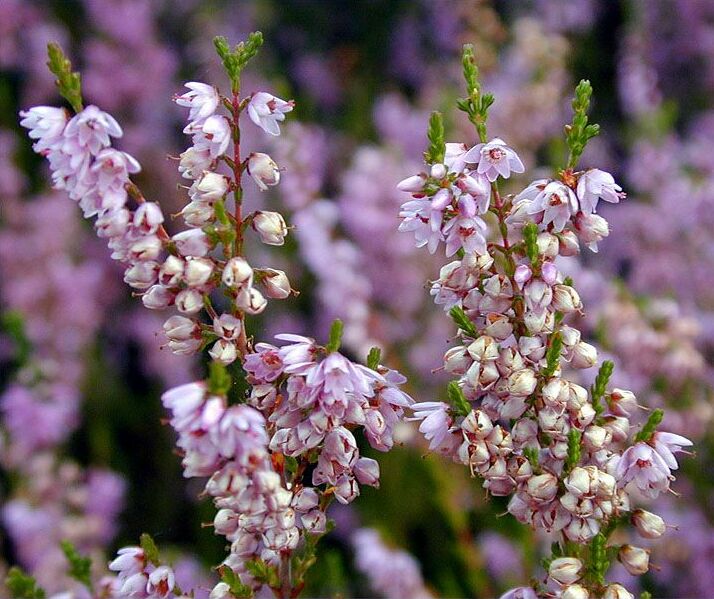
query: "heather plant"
568, 458
270, 427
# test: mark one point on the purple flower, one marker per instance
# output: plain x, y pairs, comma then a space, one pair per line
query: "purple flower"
645, 467
594, 185
494, 159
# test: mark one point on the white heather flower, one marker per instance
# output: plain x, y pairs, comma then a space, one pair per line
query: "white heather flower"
251, 300
227, 326
565, 570
520, 593
198, 213
584, 355
643, 466
220, 591
270, 226
189, 301
436, 423
466, 233
46, 125
594, 185
195, 161
617, 591
158, 297
263, 170
237, 273
171, 271
413, 184
129, 560
647, 524
201, 99
635, 559
494, 158
266, 111
214, 134
147, 218
574, 591
198, 271
557, 203
209, 188
224, 352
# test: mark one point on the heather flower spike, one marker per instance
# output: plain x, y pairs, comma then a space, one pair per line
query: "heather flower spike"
276, 456
568, 459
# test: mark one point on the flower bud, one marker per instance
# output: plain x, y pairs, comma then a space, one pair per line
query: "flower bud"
180, 328
198, 213
366, 471
575, 591
412, 184
220, 591
251, 300
227, 326
270, 226
157, 297
565, 570
548, 245
314, 521
566, 299
276, 283
583, 355
569, 335
582, 481
477, 423
237, 273
209, 188
535, 321
522, 382
542, 487
484, 348
198, 271
595, 437
622, 402
171, 271
142, 275
569, 245
617, 591
305, 499
523, 274
192, 242
145, 248
438, 171
457, 360
592, 229
113, 223
635, 559
223, 351
263, 170
189, 301
147, 218
498, 326
647, 524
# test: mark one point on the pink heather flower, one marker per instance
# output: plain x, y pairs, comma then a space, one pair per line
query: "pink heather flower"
667, 444
184, 403
46, 125
299, 356
494, 159
265, 365
240, 433
556, 202
645, 467
477, 190
266, 111
192, 242
201, 99
112, 169
270, 226
412, 184
161, 581
129, 560
424, 222
209, 188
594, 185
436, 425
337, 381
89, 130
454, 157
466, 233
194, 161
213, 135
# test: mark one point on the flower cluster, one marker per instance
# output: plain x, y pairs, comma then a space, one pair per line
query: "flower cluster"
304, 401
565, 455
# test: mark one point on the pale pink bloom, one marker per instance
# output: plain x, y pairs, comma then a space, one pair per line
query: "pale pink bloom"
419, 218
209, 188
520, 593
90, 130
201, 99
270, 226
466, 233
46, 125
193, 242
556, 202
266, 111
594, 185
129, 560
667, 444
436, 423
592, 229
276, 283
366, 471
161, 581
134, 585
412, 184
337, 381
299, 355
195, 161
263, 170
147, 218
454, 156
494, 159
477, 189
265, 365
214, 135
645, 467
184, 402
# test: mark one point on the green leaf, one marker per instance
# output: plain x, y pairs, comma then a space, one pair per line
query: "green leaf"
437, 144
580, 132
335, 336
373, 358
462, 321
573, 457
263, 572
599, 563
600, 385
470, 70
151, 551
650, 426
552, 355
234, 60
457, 399
80, 568
238, 589
68, 83
219, 381
12, 323
531, 454
22, 586
530, 238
